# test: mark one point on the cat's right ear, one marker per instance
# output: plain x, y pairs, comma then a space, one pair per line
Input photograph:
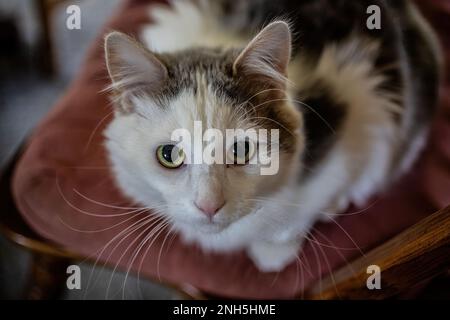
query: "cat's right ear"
131, 66
267, 56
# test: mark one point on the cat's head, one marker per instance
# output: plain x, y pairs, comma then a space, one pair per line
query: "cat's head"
240, 88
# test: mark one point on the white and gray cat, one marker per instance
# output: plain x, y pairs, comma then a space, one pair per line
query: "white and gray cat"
352, 106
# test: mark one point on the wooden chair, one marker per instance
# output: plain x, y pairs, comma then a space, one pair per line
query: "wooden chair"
417, 255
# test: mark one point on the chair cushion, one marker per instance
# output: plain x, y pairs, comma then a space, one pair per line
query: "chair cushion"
64, 189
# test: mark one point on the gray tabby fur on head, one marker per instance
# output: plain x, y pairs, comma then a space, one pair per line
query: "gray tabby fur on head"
348, 102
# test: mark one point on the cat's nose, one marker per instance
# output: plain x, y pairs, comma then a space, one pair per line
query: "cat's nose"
209, 208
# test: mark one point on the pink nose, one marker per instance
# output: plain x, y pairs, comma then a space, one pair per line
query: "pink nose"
209, 208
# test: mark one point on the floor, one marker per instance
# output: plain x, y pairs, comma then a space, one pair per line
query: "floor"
25, 97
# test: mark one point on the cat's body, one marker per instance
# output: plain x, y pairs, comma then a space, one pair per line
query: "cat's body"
353, 115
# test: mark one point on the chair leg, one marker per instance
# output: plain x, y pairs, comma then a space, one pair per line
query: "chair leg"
47, 278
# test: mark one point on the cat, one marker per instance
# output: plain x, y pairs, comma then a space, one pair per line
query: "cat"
352, 105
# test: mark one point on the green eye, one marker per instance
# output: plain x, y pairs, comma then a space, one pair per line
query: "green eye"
241, 152
170, 156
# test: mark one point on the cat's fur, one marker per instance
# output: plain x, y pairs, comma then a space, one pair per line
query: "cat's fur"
352, 116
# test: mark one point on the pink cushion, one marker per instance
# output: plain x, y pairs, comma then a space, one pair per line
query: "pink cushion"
64, 190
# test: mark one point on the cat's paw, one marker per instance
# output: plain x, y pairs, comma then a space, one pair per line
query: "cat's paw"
270, 257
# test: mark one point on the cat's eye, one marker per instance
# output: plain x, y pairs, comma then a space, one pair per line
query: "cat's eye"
170, 156
241, 151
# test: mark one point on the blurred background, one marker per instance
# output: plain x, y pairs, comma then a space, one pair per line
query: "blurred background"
39, 56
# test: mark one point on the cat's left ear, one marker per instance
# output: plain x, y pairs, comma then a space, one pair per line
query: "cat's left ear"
131, 66
267, 56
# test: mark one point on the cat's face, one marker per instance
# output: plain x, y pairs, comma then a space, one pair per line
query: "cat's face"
157, 95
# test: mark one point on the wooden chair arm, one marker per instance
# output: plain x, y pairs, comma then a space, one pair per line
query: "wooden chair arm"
414, 256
